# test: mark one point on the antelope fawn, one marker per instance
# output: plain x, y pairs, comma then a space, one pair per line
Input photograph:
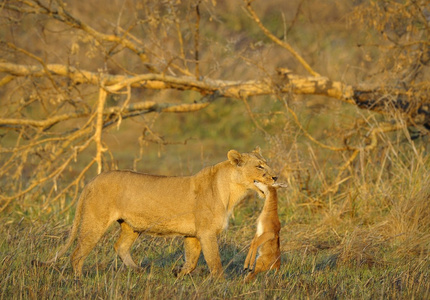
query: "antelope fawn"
266, 239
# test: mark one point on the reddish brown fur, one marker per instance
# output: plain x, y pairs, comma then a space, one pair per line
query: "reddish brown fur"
266, 240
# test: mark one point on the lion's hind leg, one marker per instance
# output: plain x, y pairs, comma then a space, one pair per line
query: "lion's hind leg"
124, 243
89, 234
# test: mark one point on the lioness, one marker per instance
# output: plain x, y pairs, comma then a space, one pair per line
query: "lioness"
196, 207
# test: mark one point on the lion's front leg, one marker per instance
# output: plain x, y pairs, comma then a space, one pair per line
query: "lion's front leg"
192, 252
211, 253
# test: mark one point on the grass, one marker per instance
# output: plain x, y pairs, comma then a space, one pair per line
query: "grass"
305, 273
375, 248
369, 240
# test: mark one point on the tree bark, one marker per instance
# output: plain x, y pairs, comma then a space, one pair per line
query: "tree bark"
413, 104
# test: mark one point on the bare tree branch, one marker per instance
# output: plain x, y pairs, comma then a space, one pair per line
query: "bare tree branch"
372, 99
99, 128
61, 14
281, 43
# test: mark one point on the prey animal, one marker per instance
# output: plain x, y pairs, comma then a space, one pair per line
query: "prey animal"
266, 240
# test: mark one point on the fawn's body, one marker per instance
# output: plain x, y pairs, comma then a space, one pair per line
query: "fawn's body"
266, 239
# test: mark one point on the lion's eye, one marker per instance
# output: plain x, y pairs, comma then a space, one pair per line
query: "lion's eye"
260, 168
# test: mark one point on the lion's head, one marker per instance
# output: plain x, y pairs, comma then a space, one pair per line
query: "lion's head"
251, 167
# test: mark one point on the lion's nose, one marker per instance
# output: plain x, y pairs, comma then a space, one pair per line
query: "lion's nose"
275, 178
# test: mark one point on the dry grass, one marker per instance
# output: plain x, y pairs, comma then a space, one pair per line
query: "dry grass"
355, 244
368, 239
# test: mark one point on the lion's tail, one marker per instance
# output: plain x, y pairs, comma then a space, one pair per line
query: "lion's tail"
72, 235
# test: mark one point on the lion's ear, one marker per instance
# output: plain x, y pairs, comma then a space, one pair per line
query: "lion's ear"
234, 157
257, 151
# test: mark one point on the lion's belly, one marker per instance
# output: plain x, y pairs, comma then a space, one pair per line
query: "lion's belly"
167, 224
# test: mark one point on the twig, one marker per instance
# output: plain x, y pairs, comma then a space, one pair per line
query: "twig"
34, 184
76, 183
38, 59
121, 111
281, 43
180, 38
371, 146
307, 134
99, 128
251, 115
196, 41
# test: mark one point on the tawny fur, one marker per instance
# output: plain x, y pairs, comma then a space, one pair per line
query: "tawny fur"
266, 240
196, 207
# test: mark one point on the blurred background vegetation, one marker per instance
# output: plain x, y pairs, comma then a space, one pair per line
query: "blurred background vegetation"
371, 209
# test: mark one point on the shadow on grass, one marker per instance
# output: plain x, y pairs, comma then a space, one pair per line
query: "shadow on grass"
162, 256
